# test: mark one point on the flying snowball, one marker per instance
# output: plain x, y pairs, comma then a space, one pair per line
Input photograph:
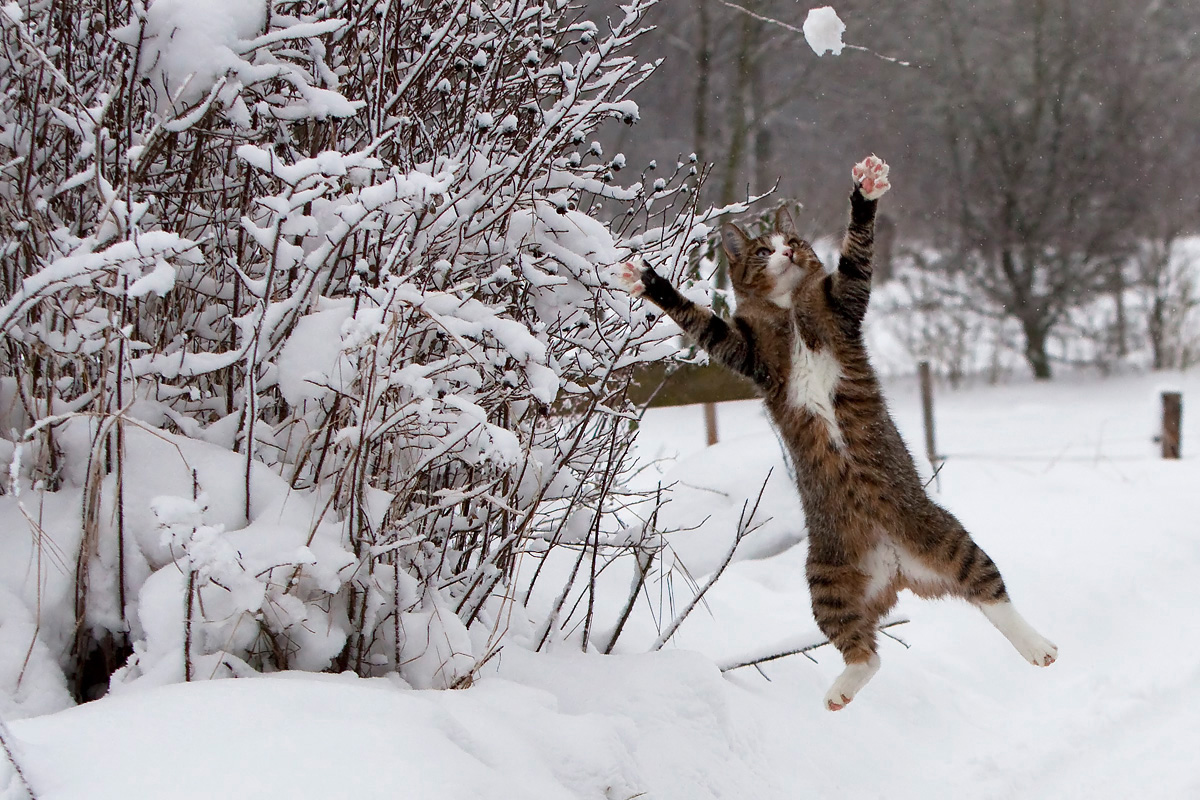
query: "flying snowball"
823, 31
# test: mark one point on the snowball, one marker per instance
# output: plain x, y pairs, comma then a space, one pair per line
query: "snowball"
823, 31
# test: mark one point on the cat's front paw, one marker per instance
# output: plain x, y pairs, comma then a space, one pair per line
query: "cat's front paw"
871, 176
628, 276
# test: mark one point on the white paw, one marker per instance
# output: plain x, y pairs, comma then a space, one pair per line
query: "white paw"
1033, 647
871, 175
1037, 649
628, 276
853, 678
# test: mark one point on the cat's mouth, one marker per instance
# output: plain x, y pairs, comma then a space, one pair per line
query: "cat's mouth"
785, 277
779, 267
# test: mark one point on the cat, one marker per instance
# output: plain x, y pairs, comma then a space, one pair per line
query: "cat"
872, 530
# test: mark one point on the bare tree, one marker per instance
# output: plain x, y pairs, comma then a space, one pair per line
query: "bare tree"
1043, 104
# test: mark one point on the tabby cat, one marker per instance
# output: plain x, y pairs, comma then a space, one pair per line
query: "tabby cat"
872, 530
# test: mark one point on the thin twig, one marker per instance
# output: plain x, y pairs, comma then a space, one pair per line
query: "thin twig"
643, 559
937, 471
9, 743
804, 651
794, 29
743, 529
893, 636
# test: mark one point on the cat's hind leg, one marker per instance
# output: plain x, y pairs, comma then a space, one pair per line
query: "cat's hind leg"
971, 574
844, 614
1033, 647
853, 678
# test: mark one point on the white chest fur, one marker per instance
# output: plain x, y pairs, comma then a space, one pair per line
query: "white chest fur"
814, 379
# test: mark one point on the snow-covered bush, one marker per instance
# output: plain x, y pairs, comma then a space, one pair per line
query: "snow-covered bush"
307, 342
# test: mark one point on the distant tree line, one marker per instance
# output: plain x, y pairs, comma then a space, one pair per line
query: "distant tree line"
1043, 150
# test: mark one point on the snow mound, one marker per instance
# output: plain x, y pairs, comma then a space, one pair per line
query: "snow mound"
1106, 722
284, 736
712, 491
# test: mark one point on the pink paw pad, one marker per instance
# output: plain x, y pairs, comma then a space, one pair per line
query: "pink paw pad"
628, 277
835, 706
871, 175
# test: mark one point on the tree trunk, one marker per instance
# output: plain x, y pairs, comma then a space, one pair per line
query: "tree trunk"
763, 179
741, 104
703, 76
1121, 331
1156, 330
1035, 347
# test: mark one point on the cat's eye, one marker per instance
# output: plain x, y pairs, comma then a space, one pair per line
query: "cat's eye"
763, 252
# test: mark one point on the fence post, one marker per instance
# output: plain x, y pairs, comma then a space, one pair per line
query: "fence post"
710, 423
1172, 417
927, 408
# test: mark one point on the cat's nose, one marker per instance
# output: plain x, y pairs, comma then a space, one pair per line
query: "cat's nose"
787, 253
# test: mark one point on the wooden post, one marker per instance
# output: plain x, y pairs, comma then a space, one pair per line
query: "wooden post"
1172, 418
927, 408
710, 423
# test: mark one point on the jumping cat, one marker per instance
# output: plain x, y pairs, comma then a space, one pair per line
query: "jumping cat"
872, 530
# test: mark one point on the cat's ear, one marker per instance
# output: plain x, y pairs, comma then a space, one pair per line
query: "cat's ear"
735, 242
784, 223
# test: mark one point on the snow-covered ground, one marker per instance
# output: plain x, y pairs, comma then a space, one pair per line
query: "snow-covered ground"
1098, 539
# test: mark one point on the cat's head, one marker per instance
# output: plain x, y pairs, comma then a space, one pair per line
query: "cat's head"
771, 266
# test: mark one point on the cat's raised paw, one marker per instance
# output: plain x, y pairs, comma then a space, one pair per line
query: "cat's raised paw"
871, 175
628, 276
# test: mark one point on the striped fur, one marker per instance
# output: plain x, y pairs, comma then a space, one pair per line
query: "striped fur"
872, 530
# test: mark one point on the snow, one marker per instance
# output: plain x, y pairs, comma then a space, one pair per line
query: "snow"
188, 44
259, 737
160, 281
311, 364
823, 31
382, 477
33, 687
1060, 482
